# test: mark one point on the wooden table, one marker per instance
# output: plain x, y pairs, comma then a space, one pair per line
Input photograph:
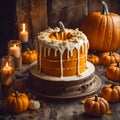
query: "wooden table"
64, 109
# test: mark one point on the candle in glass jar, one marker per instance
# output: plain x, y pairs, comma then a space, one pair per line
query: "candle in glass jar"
15, 50
24, 34
7, 70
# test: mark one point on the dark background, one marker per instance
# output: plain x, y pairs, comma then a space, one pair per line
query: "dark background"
7, 24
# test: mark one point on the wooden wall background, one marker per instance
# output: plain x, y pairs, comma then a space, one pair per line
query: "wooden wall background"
39, 14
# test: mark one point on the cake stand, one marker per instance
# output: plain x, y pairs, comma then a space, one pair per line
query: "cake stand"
65, 87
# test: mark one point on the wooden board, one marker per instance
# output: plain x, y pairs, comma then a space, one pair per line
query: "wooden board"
67, 109
39, 14
33, 13
69, 12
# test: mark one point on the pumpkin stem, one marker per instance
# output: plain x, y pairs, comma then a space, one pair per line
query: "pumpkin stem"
118, 64
91, 55
96, 97
110, 54
112, 86
105, 8
28, 49
16, 94
62, 27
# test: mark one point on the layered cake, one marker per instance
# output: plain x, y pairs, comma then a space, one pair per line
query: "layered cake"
62, 68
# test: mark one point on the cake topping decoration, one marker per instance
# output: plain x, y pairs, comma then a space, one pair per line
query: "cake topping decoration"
62, 27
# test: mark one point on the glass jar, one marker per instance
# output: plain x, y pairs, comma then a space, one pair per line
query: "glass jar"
7, 70
14, 49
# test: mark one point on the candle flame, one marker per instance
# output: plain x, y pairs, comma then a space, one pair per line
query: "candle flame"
6, 65
14, 46
23, 27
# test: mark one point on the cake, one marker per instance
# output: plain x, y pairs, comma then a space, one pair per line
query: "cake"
62, 53
62, 68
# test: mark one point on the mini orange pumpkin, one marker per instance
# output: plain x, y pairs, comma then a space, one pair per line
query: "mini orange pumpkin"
111, 92
93, 59
96, 106
113, 71
29, 56
17, 102
102, 30
107, 58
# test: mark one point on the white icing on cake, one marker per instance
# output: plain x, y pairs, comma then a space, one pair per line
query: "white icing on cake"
78, 41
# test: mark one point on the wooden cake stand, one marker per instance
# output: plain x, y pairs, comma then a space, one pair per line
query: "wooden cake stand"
66, 87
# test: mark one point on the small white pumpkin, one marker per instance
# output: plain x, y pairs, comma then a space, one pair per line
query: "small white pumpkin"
34, 105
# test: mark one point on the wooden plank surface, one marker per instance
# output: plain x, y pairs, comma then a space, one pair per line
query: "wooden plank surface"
71, 13
58, 109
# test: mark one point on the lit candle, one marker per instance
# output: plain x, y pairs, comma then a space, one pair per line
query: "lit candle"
7, 75
7, 70
15, 51
24, 34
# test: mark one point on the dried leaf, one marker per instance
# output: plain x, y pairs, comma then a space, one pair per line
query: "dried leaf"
109, 112
33, 114
82, 101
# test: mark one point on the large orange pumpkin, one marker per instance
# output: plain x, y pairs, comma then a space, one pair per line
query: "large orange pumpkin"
102, 30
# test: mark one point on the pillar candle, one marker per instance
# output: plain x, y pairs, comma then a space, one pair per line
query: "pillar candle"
24, 34
7, 70
7, 75
15, 51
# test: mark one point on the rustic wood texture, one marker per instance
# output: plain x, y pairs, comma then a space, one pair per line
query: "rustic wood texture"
72, 12
33, 13
58, 109
69, 12
95, 5
39, 14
